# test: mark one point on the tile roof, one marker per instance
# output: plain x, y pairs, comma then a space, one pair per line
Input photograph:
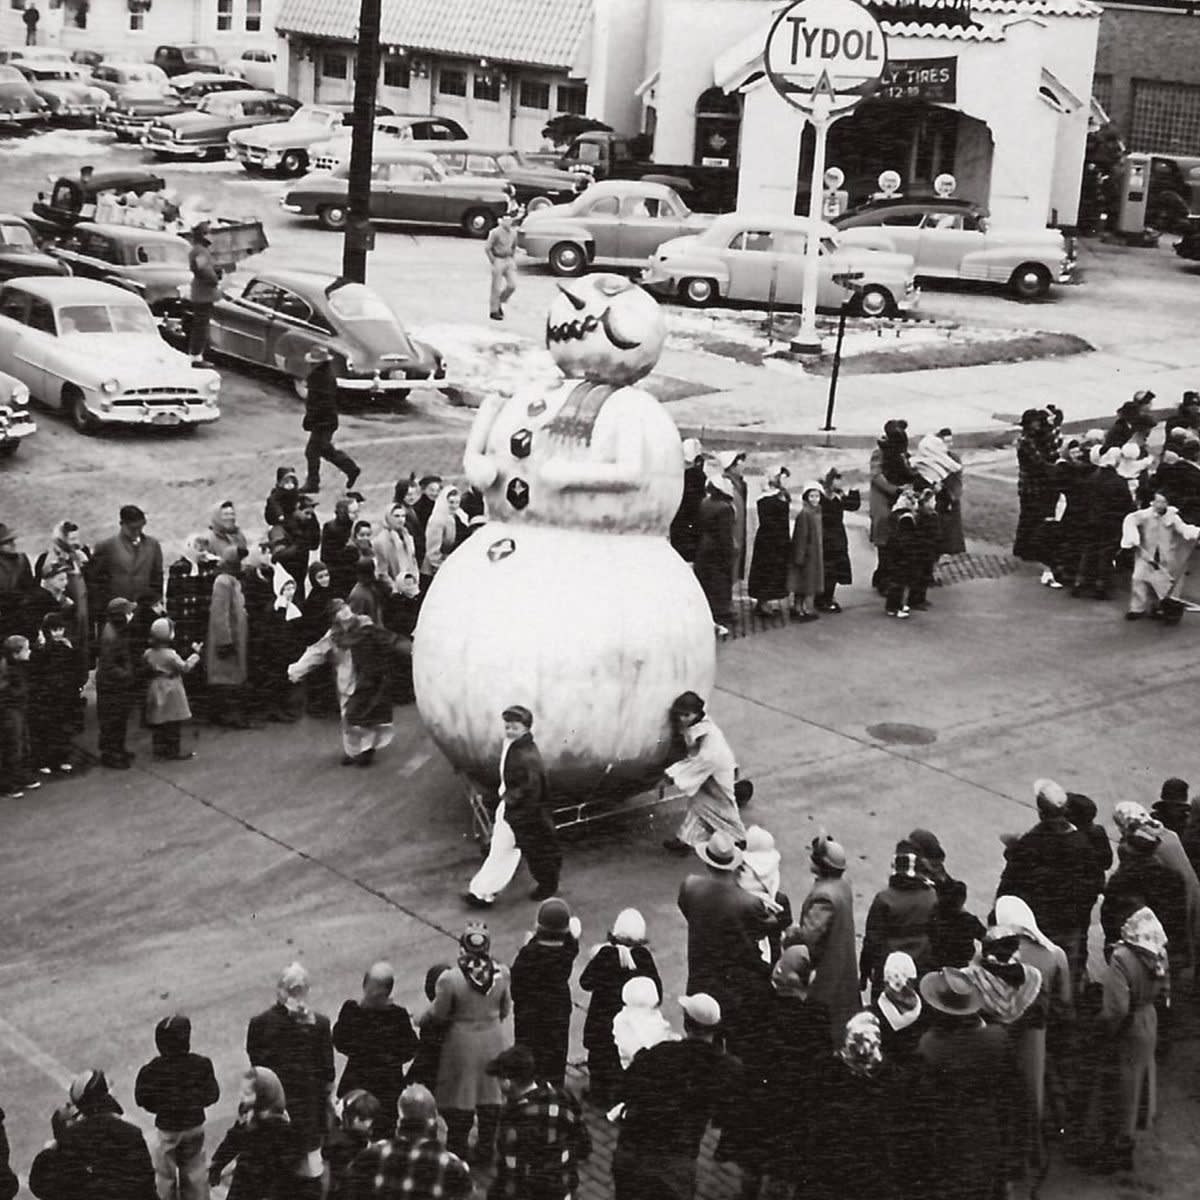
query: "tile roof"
952, 33
544, 33
1040, 8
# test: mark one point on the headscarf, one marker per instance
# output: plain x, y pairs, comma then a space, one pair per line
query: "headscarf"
776, 481
792, 973
862, 1049
313, 569
692, 450
221, 535
899, 977
811, 485
1007, 987
628, 930
283, 604
759, 873
1130, 816
640, 1024
269, 1101
475, 960
75, 557
196, 550
1145, 936
1014, 916
933, 459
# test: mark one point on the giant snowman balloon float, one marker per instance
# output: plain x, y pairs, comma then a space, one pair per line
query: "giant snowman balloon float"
571, 600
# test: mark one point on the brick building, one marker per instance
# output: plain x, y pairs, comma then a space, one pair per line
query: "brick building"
1148, 73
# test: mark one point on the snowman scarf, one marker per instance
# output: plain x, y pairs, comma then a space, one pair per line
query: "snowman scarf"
575, 422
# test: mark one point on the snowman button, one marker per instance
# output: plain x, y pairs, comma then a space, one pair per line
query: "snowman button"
517, 493
521, 443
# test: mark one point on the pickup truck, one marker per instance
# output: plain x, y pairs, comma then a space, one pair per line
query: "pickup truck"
605, 155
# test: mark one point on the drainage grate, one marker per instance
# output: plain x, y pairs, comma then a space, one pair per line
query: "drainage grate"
898, 734
966, 567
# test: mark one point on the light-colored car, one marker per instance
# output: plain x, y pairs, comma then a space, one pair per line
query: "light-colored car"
389, 130
16, 423
285, 146
256, 66
125, 82
92, 351
616, 223
740, 256
953, 239
66, 96
16, 54
204, 132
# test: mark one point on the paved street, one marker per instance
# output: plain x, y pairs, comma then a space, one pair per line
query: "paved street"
127, 895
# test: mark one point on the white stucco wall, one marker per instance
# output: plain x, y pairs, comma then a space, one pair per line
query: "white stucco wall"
615, 62
168, 21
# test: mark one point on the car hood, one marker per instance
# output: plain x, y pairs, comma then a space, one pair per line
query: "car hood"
319, 181
685, 245
195, 122
150, 106
131, 358
866, 259
66, 89
137, 93
15, 96
549, 177
283, 134
32, 261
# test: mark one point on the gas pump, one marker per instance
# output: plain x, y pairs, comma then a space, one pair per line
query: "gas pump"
1133, 196
1154, 195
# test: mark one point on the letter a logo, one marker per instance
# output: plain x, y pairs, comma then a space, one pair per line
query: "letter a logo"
824, 87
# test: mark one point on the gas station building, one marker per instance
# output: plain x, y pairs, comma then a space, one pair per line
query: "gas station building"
999, 96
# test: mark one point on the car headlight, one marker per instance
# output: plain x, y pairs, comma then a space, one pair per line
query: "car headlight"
213, 386
349, 363
20, 396
110, 386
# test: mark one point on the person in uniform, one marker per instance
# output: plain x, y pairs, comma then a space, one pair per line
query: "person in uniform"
501, 249
206, 280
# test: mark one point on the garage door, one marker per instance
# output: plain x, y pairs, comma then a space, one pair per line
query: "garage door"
1166, 117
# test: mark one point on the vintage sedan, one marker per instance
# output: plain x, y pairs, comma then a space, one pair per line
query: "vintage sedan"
92, 351
613, 224
16, 423
67, 97
19, 253
747, 256
284, 147
129, 81
151, 263
256, 66
535, 186
953, 239
205, 132
273, 318
396, 127
20, 106
409, 187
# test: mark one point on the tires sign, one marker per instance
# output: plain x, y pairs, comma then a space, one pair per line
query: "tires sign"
833, 48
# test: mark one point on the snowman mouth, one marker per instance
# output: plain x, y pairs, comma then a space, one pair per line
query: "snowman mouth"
577, 330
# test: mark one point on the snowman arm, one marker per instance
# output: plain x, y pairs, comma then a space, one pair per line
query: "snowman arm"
481, 468
624, 473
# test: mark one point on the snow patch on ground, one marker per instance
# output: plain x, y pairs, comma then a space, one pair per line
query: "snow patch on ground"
70, 143
488, 360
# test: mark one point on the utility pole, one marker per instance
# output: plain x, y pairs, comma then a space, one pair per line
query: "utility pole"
360, 238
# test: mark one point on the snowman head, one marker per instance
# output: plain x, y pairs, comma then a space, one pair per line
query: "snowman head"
604, 328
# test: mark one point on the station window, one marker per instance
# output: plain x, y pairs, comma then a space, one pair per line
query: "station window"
487, 87
534, 94
572, 98
396, 73
137, 21
253, 16
334, 66
224, 15
452, 82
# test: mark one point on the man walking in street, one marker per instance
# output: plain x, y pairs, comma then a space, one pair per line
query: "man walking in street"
206, 281
501, 250
31, 17
321, 422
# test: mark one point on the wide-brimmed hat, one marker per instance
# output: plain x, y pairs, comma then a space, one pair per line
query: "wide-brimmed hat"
828, 853
318, 354
6, 534
720, 852
950, 991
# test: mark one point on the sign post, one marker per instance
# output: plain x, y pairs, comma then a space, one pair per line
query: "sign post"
822, 57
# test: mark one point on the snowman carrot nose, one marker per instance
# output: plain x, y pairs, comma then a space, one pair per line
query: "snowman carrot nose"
570, 295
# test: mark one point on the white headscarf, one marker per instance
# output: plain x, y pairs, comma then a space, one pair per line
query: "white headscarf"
760, 873
281, 578
640, 1024
900, 974
1013, 915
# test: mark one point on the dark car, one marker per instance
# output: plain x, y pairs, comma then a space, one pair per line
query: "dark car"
204, 133
406, 186
147, 261
1188, 245
72, 200
20, 106
191, 89
275, 317
534, 186
179, 59
19, 253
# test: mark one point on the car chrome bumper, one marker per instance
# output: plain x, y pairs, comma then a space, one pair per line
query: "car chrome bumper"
16, 431
250, 157
165, 415
176, 149
292, 208
378, 383
22, 118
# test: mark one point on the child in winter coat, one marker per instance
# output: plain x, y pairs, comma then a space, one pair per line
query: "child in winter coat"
640, 1023
57, 674
166, 700
283, 643
760, 875
906, 572
541, 991
267, 1148
15, 776
623, 957
357, 1113
177, 1087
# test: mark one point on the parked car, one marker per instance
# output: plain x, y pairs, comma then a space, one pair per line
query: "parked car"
16, 422
189, 56
19, 253
192, 88
20, 106
400, 127
273, 318
256, 66
535, 187
92, 351
953, 239
71, 200
740, 255
129, 119
66, 96
406, 186
204, 133
284, 147
1188, 245
615, 224
124, 81
16, 54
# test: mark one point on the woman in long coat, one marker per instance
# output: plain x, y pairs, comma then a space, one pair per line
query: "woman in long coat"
1037, 452
714, 551
473, 1001
66, 546
683, 525
772, 545
806, 574
1137, 976
731, 463
890, 471
445, 531
540, 982
835, 546
225, 647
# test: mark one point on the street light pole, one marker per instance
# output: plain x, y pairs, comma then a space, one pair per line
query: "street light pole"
359, 237
807, 340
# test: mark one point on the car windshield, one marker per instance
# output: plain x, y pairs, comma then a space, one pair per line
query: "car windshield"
317, 116
199, 54
16, 235
355, 302
142, 75
218, 105
50, 73
172, 253
105, 318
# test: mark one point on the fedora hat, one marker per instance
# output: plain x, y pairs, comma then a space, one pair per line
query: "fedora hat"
950, 991
720, 852
6, 534
318, 354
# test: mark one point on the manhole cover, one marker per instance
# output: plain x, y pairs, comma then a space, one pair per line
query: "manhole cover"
903, 735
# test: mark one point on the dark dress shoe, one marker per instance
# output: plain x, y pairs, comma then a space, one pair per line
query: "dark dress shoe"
675, 846
474, 901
